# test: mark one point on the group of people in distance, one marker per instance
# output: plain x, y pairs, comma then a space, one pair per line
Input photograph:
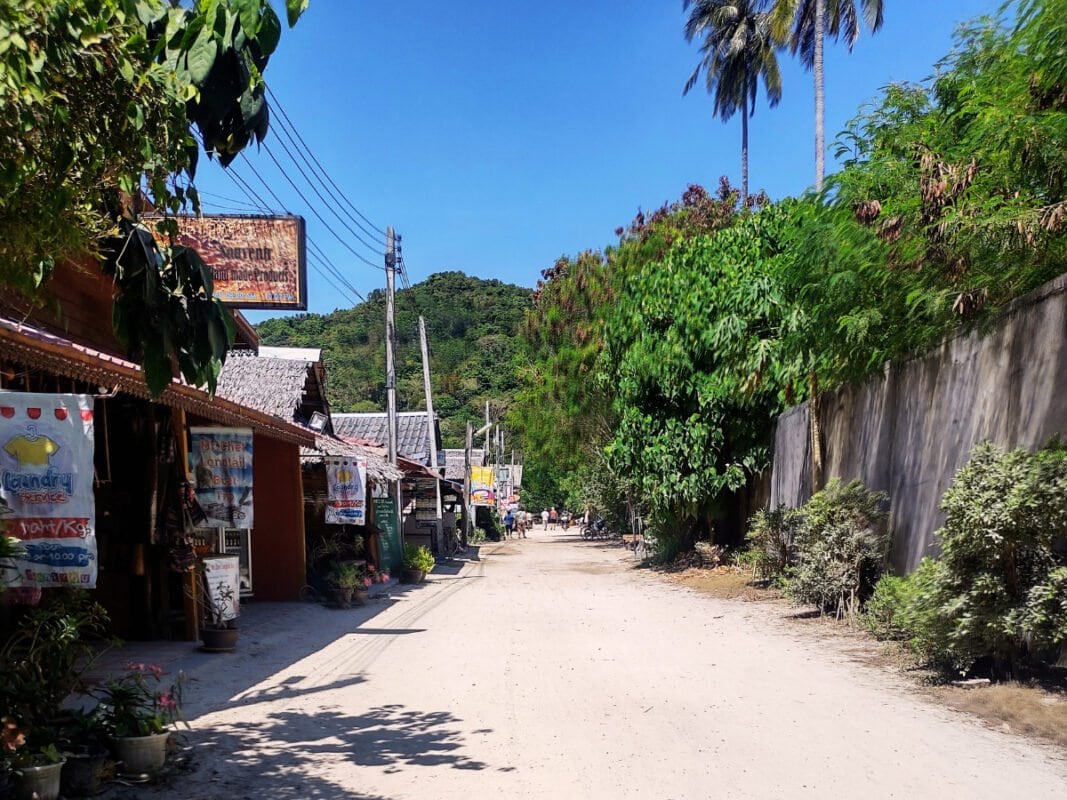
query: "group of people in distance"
518, 522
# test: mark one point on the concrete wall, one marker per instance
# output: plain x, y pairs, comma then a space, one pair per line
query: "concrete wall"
908, 431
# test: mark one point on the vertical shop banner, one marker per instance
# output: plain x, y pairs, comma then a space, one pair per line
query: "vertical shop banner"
388, 536
346, 491
222, 576
46, 488
221, 462
482, 488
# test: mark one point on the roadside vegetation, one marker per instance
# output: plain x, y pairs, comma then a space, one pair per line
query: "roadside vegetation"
653, 369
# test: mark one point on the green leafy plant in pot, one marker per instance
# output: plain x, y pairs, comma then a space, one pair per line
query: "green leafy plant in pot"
217, 631
140, 709
85, 736
42, 663
349, 583
418, 560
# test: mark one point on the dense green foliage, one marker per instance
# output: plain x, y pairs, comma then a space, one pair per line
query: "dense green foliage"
472, 328
670, 354
995, 602
840, 548
997, 581
100, 101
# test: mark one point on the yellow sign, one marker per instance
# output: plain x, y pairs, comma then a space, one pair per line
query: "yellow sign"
482, 490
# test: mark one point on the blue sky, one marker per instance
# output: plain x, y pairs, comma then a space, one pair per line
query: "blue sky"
496, 136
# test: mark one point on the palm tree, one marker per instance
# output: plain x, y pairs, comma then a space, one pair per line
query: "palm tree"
804, 24
738, 50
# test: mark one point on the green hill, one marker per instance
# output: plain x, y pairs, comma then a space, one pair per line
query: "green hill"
472, 326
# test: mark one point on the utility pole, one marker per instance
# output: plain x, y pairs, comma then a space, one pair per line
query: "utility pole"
390, 333
390, 367
431, 428
468, 509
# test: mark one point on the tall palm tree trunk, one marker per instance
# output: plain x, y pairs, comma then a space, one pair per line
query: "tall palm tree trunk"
820, 94
744, 152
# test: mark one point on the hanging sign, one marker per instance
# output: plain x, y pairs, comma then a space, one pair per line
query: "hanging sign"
482, 488
221, 462
256, 262
346, 491
46, 488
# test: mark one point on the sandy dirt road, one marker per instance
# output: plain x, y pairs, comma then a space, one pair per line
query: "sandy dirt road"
552, 668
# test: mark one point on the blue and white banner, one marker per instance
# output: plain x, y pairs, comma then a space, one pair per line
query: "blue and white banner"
346, 491
221, 462
46, 488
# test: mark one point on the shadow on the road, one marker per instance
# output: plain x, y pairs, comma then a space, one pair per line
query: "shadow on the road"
285, 750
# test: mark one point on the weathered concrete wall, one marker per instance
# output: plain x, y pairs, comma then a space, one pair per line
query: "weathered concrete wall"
908, 431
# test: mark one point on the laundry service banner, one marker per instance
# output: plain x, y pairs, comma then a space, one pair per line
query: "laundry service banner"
46, 488
221, 462
346, 492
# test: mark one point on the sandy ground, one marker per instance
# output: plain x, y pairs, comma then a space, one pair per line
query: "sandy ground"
552, 668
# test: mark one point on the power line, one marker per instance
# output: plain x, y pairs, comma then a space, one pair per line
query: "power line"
328, 265
328, 202
314, 211
322, 170
266, 185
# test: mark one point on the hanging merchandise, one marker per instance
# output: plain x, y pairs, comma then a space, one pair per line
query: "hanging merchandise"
346, 491
46, 488
221, 462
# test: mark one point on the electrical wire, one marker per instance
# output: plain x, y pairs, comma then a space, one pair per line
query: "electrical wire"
314, 211
322, 170
330, 203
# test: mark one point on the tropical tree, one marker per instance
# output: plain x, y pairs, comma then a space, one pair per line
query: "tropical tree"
738, 50
804, 24
106, 101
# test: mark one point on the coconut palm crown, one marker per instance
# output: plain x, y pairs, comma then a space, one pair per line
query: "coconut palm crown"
737, 51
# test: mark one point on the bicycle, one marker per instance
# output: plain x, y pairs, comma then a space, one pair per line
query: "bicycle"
453, 544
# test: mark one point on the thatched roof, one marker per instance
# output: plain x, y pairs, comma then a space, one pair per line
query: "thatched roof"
278, 386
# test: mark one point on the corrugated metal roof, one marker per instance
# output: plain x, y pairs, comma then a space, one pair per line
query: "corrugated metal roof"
378, 469
412, 431
292, 353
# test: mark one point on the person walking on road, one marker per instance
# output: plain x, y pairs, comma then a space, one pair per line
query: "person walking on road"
544, 520
553, 518
509, 524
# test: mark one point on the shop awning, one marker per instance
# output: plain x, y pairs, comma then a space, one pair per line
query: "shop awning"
38, 349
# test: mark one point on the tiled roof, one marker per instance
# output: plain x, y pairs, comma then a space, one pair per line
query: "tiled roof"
271, 385
412, 429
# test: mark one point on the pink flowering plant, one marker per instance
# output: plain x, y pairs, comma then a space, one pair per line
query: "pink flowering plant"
141, 702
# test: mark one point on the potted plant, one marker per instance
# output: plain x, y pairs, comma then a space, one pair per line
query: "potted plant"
36, 772
85, 737
418, 560
349, 584
218, 632
140, 711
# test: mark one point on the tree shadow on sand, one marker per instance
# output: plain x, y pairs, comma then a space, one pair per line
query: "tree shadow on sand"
293, 755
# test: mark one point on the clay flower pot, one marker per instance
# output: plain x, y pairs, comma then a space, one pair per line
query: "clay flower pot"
219, 640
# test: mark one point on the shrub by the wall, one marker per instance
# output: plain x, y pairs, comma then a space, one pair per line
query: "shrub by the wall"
841, 546
999, 585
769, 542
